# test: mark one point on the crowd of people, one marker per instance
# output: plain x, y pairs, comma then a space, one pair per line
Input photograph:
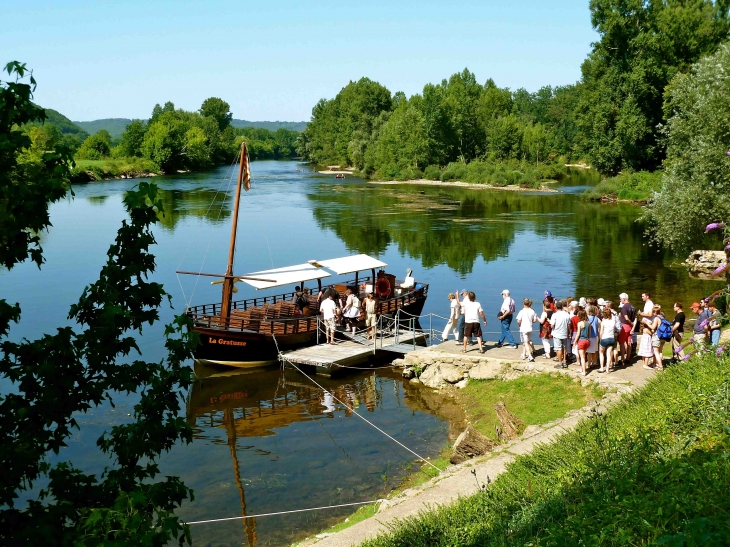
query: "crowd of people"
589, 332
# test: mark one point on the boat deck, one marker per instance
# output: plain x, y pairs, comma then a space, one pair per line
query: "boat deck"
329, 358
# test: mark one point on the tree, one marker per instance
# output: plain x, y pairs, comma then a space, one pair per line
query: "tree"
696, 181
57, 376
132, 139
219, 110
96, 146
643, 45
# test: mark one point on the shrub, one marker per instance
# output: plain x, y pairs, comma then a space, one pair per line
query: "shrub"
432, 172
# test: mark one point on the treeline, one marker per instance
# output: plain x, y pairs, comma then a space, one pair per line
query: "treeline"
171, 140
458, 120
623, 116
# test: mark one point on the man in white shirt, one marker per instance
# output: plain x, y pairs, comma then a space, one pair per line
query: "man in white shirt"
471, 310
506, 312
525, 319
648, 305
560, 323
328, 309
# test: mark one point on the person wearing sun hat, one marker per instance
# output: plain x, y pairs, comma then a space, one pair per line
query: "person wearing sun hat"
506, 312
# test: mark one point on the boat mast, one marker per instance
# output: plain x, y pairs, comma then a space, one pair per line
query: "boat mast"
228, 279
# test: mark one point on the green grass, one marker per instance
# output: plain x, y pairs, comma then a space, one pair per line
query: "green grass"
364, 512
638, 186
91, 170
654, 470
535, 399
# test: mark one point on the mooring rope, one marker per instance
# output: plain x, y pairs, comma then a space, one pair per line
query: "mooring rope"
288, 512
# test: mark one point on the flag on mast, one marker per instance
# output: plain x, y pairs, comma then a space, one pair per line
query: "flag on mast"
246, 168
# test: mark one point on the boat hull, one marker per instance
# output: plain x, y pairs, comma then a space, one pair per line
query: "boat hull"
249, 349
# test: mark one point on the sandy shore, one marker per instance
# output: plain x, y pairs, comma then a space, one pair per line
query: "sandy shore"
327, 172
458, 184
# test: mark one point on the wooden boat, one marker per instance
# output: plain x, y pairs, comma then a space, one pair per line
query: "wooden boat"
252, 333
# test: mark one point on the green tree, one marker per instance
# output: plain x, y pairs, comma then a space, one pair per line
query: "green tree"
132, 139
54, 378
219, 110
96, 146
696, 181
642, 46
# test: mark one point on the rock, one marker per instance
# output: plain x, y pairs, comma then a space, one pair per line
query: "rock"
415, 382
469, 444
431, 377
485, 371
705, 261
451, 373
512, 426
461, 384
408, 373
398, 363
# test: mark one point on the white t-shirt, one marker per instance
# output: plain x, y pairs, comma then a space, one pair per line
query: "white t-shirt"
607, 328
649, 307
328, 308
559, 322
526, 318
455, 309
507, 305
471, 311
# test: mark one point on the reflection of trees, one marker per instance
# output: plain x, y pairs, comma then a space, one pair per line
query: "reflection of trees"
202, 203
436, 226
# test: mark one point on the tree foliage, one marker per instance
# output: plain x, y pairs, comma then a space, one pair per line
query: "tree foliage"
96, 146
643, 45
219, 110
54, 378
696, 181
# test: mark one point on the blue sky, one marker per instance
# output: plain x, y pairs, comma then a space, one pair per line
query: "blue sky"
274, 60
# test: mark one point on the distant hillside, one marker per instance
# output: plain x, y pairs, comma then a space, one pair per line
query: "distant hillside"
271, 126
115, 126
65, 126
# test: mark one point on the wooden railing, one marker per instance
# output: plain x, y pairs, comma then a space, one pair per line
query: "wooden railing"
275, 314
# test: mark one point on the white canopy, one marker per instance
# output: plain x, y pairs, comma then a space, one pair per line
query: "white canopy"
286, 276
350, 264
289, 275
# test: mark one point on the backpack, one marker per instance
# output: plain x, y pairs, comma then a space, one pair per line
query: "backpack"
301, 302
664, 332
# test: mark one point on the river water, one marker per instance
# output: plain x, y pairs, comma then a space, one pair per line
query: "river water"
270, 441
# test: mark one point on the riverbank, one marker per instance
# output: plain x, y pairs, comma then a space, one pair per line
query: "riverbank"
459, 184
539, 404
655, 443
635, 188
87, 171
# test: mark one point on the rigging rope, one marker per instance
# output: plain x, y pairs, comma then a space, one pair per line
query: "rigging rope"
288, 512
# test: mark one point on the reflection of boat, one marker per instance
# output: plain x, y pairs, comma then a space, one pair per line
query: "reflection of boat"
250, 333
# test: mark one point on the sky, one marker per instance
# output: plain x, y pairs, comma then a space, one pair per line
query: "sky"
273, 60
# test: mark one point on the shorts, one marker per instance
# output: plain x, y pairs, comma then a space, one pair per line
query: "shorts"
583, 344
624, 334
656, 342
371, 320
472, 329
526, 337
330, 325
559, 343
607, 343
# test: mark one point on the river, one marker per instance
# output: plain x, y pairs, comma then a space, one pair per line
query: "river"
271, 441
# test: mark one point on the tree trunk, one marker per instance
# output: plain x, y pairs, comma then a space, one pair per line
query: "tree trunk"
512, 426
469, 444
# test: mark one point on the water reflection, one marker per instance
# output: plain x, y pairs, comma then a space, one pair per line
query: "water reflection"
292, 445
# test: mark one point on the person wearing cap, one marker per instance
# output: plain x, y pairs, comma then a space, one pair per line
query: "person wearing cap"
549, 300
601, 303
461, 325
627, 318
506, 312
703, 318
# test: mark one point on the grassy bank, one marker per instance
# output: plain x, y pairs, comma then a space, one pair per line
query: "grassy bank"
535, 399
653, 470
492, 173
92, 170
638, 186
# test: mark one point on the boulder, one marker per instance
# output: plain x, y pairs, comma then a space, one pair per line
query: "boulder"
705, 261
408, 373
469, 444
485, 371
438, 375
415, 382
398, 363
